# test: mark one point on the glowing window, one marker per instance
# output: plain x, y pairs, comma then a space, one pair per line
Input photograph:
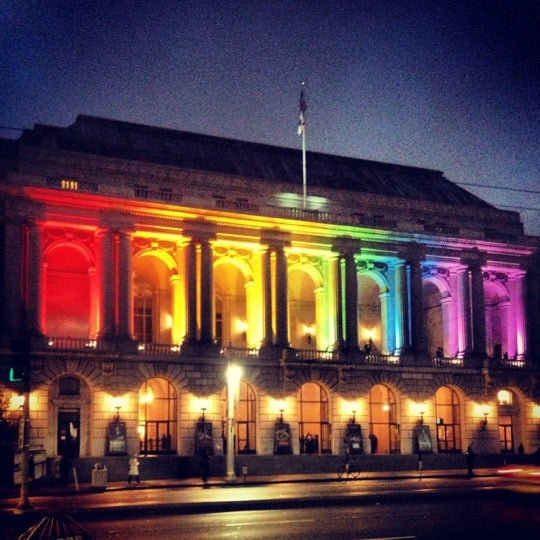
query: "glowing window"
504, 397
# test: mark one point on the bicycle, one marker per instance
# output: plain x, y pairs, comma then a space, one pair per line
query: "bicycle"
349, 469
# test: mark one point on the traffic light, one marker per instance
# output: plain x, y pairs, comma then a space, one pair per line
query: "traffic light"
17, 373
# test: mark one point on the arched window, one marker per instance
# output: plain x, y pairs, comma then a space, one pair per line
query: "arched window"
314, 419
508, 413
158, 415
447, 414
383, 426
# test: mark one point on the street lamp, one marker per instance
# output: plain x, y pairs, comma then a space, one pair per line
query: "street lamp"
234, 373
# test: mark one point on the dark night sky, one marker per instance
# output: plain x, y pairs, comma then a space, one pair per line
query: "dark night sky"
452, 85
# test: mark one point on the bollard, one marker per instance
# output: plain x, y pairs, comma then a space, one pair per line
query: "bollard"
244, 472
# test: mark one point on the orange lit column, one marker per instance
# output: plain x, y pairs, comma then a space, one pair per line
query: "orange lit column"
282, 299
191, 292
125, 296
207, 292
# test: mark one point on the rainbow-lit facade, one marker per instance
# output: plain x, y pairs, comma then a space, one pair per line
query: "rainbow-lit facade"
139, 262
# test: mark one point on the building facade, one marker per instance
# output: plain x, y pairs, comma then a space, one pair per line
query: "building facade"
138, 263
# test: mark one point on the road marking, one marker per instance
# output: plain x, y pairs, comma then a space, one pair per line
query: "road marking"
282, 522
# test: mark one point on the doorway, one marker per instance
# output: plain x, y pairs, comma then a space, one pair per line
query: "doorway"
68, 436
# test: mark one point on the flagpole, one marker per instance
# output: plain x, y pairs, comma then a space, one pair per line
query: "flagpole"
302, 131
304, 171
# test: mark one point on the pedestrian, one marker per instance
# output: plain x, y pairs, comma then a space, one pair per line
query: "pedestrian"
469, 456
134, 469
205, 465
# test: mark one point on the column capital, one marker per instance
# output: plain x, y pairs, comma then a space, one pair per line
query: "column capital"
275, 238
413, 251
473, 257
346, 245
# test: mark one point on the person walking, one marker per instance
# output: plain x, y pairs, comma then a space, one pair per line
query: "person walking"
469, 456
134, 469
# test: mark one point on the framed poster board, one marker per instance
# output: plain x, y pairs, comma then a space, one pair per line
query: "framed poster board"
423, 440
353, 438
117, 443
204, 440
282, 439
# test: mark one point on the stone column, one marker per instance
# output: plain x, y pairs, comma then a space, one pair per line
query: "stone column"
11, 295
474, 260
34, 275
348, 291
268, 337
282, 299
207, 293
191, 292
108, 293
351, 303
516, 285
413, 254
125, 292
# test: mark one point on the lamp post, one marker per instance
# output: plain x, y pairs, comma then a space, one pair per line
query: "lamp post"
24, 502
233, 380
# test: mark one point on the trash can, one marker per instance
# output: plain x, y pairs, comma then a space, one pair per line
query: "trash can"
99, 475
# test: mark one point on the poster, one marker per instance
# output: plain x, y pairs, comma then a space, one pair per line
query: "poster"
282, 439
423, 440
117, 438
204, 441
353, 439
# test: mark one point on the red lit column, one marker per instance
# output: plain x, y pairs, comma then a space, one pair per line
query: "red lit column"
34, 273
108, 297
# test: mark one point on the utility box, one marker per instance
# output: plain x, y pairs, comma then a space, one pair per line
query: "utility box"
99, 476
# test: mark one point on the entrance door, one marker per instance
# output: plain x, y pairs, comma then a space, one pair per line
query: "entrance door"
68, 439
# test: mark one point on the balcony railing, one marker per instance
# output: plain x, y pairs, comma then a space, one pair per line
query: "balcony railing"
447, 361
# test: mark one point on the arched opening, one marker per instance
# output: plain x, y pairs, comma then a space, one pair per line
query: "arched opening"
314, 419
509, 426
369, 315
158, 417
67, 290
245, 419
302, 309
152, 305
497, 308
448, 420
433, 318
383, 426
70, 414
231, 324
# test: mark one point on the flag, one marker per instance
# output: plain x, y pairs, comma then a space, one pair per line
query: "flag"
303, 109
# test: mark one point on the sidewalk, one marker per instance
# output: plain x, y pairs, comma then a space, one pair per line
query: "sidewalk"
45, 490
